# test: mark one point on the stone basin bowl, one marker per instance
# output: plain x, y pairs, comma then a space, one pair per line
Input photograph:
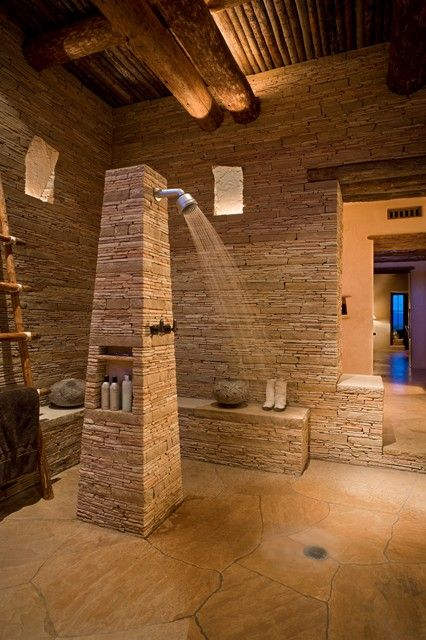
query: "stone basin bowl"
231, 392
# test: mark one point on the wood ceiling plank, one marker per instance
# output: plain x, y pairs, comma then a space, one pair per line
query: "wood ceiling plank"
226, 25
315, 32
278, 33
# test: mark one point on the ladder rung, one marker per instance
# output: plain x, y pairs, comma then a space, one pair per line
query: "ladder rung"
44, 391
18, 336
11, 239
14, 287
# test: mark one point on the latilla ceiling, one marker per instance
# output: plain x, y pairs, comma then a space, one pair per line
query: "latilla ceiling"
261, 35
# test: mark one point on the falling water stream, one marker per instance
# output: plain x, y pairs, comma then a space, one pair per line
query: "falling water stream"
233, 307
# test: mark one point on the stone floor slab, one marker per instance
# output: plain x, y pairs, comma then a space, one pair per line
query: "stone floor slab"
119, 587
378, 602
366, 487
253, 482
180, 630
26, 544
351, 535
211, 532
408, 543
282, 559
251, 607
200, 479
23, 615
287, 513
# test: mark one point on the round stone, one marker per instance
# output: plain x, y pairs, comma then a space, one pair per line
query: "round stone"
231, 392
68, 393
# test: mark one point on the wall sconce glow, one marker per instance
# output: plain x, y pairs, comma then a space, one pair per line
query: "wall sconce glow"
228, 191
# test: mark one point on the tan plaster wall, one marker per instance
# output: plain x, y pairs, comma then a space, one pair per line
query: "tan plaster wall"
59, 259
360, 220
418, 315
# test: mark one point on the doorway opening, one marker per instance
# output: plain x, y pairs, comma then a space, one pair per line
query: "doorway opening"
400, 341
399, 318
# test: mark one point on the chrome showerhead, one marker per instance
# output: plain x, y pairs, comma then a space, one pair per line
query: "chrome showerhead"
184, 201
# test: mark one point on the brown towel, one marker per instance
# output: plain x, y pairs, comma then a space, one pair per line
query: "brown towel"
19, 424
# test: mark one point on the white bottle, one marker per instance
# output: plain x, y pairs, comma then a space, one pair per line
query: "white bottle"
114, 395
105, 393
127, 392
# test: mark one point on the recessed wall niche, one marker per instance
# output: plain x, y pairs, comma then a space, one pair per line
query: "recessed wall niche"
40, 163
228, 191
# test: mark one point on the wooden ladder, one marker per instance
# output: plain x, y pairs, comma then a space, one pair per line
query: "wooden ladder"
13, 288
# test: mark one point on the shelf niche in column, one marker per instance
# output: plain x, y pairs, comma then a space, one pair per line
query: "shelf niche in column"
130, 475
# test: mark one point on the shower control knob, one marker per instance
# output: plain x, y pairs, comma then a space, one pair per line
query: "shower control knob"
161, 328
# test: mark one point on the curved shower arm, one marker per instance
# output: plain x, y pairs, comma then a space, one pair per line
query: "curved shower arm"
168, 193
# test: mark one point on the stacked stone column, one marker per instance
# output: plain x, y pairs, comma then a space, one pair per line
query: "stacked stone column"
130, 476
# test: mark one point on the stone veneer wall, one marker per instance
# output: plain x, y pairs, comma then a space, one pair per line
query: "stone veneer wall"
288, 241
59, 260
130, 475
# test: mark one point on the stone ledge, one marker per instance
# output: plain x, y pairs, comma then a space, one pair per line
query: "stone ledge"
354, 382
291, 416
57, 416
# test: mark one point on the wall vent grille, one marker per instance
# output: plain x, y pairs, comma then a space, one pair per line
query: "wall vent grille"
413, 212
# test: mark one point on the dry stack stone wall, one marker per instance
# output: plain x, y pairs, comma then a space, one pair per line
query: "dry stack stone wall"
287, 243
130, 474
59, 260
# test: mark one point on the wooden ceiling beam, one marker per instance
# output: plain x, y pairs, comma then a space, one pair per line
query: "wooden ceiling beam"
148, 38
193, 26
384, 189
407, 54
376, 180
373, 170
82, 38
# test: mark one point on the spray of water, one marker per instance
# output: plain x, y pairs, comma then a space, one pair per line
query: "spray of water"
233, 307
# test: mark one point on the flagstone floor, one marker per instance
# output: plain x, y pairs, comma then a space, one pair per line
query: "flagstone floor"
404, 425
230, 563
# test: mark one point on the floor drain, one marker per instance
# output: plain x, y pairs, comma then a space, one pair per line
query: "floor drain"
317, 553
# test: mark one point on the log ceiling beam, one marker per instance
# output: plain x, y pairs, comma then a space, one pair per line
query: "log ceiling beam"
148, 38
133, 23
373, 170
376, 180
384, 189
168, 43
192, 25
58, 46
407, 54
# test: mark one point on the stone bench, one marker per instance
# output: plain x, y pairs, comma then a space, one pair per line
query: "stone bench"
244, 436
61, 430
